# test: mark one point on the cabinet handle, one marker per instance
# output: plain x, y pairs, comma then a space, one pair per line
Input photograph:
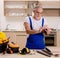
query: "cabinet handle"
20, 35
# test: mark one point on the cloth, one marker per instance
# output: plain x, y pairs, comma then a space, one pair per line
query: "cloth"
35, 41
35, 24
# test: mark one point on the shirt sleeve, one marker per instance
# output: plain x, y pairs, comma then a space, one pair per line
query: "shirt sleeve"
27, 20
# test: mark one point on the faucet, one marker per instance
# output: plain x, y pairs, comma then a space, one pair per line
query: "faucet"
7, 26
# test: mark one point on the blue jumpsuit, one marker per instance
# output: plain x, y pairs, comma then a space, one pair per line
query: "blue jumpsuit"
35, 41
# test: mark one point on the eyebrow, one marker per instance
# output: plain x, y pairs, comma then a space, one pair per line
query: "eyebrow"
39, 12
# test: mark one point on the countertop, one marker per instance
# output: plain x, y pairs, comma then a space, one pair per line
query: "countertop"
36, 55
13, 30
16, 30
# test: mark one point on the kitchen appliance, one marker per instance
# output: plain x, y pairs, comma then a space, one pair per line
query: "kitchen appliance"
51, 38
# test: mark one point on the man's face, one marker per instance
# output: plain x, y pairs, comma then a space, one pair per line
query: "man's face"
38, 13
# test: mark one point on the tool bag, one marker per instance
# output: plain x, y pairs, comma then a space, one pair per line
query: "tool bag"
13, 47
3, 41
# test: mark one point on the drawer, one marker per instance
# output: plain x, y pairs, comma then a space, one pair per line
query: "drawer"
20, 33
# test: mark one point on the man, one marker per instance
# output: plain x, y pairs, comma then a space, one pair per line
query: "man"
35, 25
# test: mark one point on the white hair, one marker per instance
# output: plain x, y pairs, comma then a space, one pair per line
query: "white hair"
36, 7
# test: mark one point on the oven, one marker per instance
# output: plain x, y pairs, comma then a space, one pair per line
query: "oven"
50, 39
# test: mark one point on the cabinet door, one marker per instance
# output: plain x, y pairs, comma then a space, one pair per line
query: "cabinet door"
15, 8
11, 35
21, 40
58, 38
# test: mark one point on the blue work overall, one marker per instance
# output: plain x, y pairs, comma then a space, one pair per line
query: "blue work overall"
35, 41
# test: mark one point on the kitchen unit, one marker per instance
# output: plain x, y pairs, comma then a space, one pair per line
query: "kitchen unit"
58, 38
50, 40
54, 39
15, 8
24, 8
18, 37
51, 8
18, 8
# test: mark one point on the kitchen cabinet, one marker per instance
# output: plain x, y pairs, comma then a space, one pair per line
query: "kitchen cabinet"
50, 4
51, 8
19, 37
58, 38
12, 36
23, 8
15, 8
52, 12
18, 8
59, 12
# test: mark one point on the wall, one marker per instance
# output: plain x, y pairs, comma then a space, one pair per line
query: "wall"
14, 23
17, 23
53, 22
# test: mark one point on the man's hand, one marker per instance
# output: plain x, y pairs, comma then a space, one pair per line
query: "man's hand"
42, 28
45, 29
